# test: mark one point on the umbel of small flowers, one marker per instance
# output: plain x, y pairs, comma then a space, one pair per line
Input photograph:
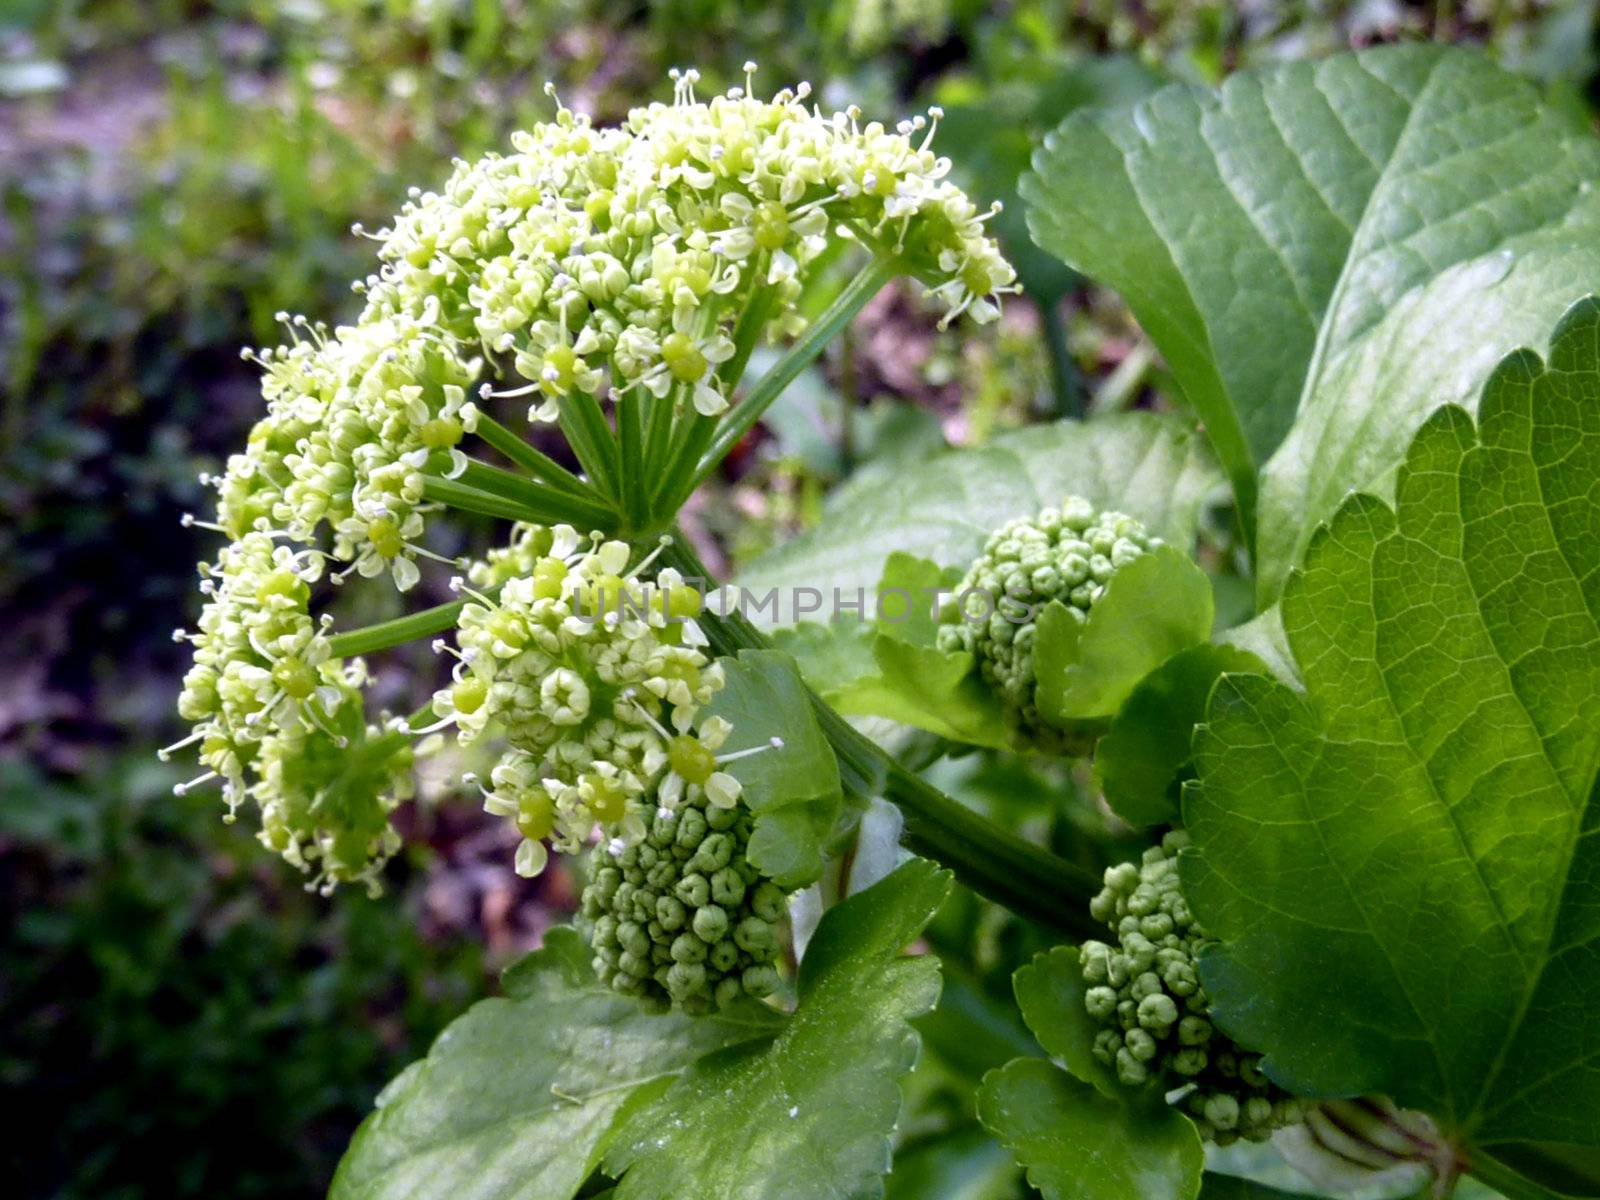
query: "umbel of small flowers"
590, 680
637, 264
634, 267
280, 719
582, 681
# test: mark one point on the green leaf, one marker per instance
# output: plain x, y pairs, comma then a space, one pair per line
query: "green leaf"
1140, 761
516, 1096
1419, 833
1565, 1170
1155, 468
906, 595
889, 667
792, 790
808, 1114
1050, 993
1325, 252
991, 140
1077, 1144
1155, 606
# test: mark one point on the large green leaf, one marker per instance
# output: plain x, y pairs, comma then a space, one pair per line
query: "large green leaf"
1156, 468
808, 1114
1327, 251
793, 788
515, 1099
1418, 834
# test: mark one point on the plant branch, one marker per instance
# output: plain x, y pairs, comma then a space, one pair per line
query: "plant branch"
562, 505
1063, 371
399, 631
742, 416
992, 861
590, 438
541, 466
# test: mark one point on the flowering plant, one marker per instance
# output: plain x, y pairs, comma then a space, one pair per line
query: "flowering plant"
1366, 940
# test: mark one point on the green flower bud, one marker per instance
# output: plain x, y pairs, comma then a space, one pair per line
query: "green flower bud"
681, 917
1064, 556
1144, 994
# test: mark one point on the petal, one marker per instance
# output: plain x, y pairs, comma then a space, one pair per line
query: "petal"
723, 790
531, 858
708, 402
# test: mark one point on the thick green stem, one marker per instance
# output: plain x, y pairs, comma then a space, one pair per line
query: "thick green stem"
992, 861
541, 466
739, 420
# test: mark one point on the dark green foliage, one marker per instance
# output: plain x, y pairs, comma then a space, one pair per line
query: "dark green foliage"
179, 1018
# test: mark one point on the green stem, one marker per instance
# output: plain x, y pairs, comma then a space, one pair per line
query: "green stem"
399, 631
738, 421
1063, 371
661, 434
632, 480
541, 466
992, 861
563, 506
590, 438
459, 495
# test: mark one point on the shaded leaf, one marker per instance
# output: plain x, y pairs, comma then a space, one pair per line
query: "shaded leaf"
1076, 1144
1050, 992
966, 1164
792, 790
1325, 252
1140, 761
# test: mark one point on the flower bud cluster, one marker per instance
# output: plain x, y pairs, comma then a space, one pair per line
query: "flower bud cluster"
1066, 555
593, 681
681, 917
1146, 994
281, 721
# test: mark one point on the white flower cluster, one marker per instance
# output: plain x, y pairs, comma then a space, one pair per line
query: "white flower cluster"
353, 422
281, 721
590, 261
593, 681
592, 264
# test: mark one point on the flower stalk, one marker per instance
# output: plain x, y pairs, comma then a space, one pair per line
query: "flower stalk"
992, 861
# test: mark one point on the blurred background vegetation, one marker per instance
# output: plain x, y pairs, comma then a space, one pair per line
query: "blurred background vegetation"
177, 1016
